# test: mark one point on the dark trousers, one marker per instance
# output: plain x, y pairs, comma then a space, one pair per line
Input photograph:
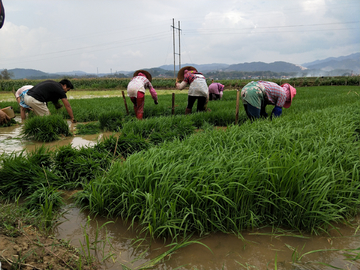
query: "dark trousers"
200, 104
213, 96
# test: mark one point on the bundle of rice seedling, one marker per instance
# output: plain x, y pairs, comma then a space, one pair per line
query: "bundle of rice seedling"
46, 128
22, 173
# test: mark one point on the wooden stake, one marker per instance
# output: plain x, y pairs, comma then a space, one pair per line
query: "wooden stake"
126, 107
173, 104
237, 107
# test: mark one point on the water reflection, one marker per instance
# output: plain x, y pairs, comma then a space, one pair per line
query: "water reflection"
252, 250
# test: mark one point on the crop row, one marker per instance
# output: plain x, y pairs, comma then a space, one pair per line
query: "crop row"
116, 83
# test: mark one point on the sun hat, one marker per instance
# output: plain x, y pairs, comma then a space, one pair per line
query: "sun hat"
180, 75
290, 94
146, 73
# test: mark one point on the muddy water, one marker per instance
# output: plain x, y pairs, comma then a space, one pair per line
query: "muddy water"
257, 249
11, 139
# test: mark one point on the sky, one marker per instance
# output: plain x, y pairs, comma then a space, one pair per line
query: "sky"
108, 36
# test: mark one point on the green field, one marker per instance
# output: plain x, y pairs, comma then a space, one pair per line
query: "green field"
177, 175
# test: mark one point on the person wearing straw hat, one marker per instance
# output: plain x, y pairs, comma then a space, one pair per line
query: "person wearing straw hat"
198, 89
256, 95
216, 90
136, 91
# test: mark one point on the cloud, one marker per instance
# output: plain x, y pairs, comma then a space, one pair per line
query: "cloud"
125, 35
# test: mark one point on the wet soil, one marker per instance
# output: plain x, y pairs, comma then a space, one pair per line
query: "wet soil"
33, 250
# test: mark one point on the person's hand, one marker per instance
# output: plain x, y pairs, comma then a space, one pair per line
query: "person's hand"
73, 120
277, 111
156, 102
4, 118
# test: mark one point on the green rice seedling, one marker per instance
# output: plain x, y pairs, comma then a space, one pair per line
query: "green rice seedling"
77, 166
122, 145
89, 128
22, 173
46, 128
275, 173
161, 129
12, 122
111, 121
97, 244
44, 196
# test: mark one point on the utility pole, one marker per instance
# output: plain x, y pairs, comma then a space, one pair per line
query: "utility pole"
179, 46
173, 26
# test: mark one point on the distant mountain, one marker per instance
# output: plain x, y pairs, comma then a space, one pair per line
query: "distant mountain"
22, 73
333, 66
261, 66
350, 62
202, 68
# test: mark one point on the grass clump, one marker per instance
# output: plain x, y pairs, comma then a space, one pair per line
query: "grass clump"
44, 195
46, 128
22, 173
122, 146
78, 166
87, 129
111, 121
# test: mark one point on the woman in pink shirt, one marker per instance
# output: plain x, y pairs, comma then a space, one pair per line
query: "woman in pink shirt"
216, 90
136, 91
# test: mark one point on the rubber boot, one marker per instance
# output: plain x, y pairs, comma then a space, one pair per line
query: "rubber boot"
188, 111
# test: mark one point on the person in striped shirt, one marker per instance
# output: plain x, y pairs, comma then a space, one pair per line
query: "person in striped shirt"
256, 95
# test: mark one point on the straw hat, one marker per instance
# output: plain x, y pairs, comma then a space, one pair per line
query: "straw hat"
146, 73
291, 91
180, 74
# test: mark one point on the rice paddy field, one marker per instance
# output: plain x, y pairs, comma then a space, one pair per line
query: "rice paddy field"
174, 182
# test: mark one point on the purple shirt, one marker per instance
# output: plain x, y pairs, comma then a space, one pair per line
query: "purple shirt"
216, 88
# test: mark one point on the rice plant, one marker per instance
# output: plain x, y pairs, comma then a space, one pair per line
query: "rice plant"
78, 166
22, 173
263, 173
122, 146
46, 128
86, 129
111, 121
44, 195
